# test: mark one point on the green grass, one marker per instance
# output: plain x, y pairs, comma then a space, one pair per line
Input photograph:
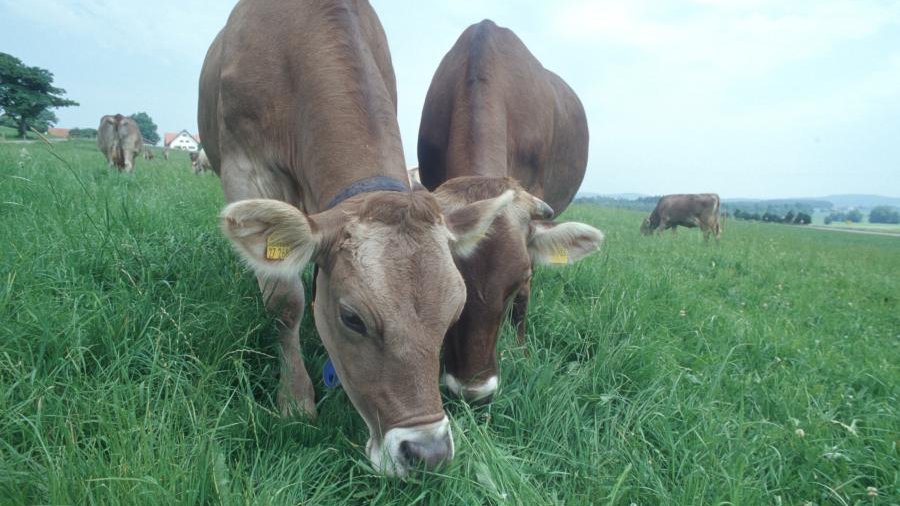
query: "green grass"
137, 364
11, 134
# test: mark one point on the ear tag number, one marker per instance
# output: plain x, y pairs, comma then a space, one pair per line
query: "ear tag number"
560, 256
276, 250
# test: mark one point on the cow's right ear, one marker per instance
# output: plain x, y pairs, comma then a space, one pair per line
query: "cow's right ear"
470, 223
273, 237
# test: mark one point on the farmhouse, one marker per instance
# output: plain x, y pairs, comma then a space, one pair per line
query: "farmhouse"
58, 133
182, 140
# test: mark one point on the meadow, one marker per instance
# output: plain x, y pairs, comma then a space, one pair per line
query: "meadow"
137, 364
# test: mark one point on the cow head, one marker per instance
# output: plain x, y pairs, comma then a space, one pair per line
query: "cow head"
386, 293
646, 227
497, 271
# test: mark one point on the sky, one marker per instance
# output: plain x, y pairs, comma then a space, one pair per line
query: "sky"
747, 98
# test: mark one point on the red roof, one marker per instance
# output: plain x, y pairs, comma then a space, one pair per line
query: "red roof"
168, 137
62, 133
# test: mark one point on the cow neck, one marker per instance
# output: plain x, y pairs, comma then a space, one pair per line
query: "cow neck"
366, 185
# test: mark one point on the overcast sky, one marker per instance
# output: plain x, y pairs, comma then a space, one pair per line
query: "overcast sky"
750, 98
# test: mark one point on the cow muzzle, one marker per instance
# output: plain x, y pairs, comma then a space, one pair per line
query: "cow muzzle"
480, 393
403, 449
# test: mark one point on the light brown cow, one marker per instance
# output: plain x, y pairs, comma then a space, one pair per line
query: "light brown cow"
687, 210
200, 162
148, 154
120, 141
299, 119
495, 120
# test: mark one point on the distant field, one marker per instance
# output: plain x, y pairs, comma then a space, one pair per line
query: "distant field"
137, 364
881, 228
819, 220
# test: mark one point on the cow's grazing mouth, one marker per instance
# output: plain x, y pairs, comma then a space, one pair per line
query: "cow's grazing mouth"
426, 446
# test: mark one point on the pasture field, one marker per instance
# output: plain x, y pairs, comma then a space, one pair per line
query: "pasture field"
137, 364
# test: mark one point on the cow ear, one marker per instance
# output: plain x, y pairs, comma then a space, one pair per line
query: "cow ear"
273, 237
559, 244
470, 224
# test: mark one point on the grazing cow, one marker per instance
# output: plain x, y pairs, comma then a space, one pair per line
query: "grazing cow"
687, 210
166, 153
297, 108
494, 121
200, 162
120, 141
148, 154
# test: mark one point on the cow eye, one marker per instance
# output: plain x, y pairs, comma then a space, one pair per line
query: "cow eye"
352, 321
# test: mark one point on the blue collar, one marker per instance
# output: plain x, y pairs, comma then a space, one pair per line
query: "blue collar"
369, 184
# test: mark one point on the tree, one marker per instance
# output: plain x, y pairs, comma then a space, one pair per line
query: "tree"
835, 216
28, 92
44, 120
147, 126
802, 219
789, 217
771, 217
884, 214
83, 133
855, 216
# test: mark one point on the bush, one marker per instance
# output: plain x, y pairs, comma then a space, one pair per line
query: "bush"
884, 214
83, 133
802, 219
771, 217
835, 216
855, 216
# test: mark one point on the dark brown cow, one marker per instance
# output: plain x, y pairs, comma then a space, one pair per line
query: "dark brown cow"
686, 210
495, 120
298, 116
120, 141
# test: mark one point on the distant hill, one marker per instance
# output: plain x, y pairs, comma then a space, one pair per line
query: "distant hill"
851, 200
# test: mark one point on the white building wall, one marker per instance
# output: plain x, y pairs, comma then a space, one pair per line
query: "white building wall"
185, 143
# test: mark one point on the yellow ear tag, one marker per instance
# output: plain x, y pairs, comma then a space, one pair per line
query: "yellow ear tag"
560, 256
276, 250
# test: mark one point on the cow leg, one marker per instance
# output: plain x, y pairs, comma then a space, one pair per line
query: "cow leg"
520, 311
284, 298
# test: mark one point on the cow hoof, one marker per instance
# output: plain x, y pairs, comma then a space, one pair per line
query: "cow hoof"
297, 408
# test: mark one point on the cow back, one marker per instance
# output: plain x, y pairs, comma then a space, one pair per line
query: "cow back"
494, 110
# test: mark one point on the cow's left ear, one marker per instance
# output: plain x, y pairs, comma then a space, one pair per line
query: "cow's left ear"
558, 244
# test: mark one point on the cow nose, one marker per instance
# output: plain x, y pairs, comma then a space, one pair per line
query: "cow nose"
428, 454
484, 401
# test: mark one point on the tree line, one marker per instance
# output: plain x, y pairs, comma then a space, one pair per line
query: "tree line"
790, 218
878, 214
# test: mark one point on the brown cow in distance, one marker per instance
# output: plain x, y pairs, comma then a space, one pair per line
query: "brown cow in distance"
200, 162
298, 113
120, 141
686, 210
495, 120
